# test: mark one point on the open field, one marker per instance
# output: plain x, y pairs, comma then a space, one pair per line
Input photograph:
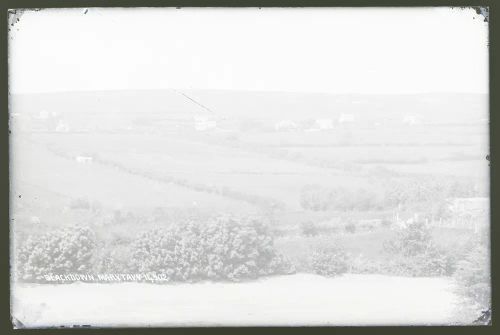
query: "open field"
147, 155
346, 300
129, 162
117, 189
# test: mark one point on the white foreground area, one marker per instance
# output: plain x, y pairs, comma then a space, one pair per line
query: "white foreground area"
300, 299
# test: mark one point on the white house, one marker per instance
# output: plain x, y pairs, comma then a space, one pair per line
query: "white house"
469, 212
43, 115
324, 124
62, 127
83, 159
346, 118
410, 120
286, 125
202, 123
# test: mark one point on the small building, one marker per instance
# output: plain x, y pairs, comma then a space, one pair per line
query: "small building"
285, 125
202, 123
324, 124
476, 206
411, 120
84, 159
403, 220
469, 212
62, 127
43, 115
346, 118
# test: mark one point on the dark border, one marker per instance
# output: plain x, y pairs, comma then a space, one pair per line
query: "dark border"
5, 322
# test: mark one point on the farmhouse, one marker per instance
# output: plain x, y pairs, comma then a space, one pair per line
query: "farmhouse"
324, 124
402, 221
469, 212
346, 118
43, 115
62, 127
470, 206
83, 159
285, 125
202, 123
411, 120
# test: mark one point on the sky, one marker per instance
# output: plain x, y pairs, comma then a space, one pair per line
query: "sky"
331, 50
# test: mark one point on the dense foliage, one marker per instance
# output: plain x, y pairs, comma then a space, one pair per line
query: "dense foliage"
224, 248
64, 251
413, 253
428, 194
319, 198
330, 261
473, 272
220, 248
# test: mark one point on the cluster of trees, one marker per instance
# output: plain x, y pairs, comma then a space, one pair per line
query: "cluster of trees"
430, 194
220, 248
318, 198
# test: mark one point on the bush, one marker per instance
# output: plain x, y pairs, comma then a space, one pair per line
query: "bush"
413, 253
329, 261
386, 223
473, 275
111, 259
429, 264
309, 228
363, 265
224, 248
319, 198
64, 251
412, 240
350, 228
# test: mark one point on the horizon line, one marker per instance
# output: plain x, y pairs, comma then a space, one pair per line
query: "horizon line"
244, 90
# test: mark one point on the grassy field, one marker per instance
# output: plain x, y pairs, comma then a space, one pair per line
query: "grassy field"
143, 162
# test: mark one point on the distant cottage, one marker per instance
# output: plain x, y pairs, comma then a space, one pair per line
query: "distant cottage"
62, 127
83, 159
473, 206
43, 115
346, 118
324, 124
286, 125
469, 212
410, 120
204, 123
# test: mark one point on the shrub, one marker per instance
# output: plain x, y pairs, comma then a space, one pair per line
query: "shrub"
309, 228
413, 253
386, 223
350, 228
412, 240
473, 275
363, 265
64, 251
329, 261
428, 264
111, 257
226, 248
318, 198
